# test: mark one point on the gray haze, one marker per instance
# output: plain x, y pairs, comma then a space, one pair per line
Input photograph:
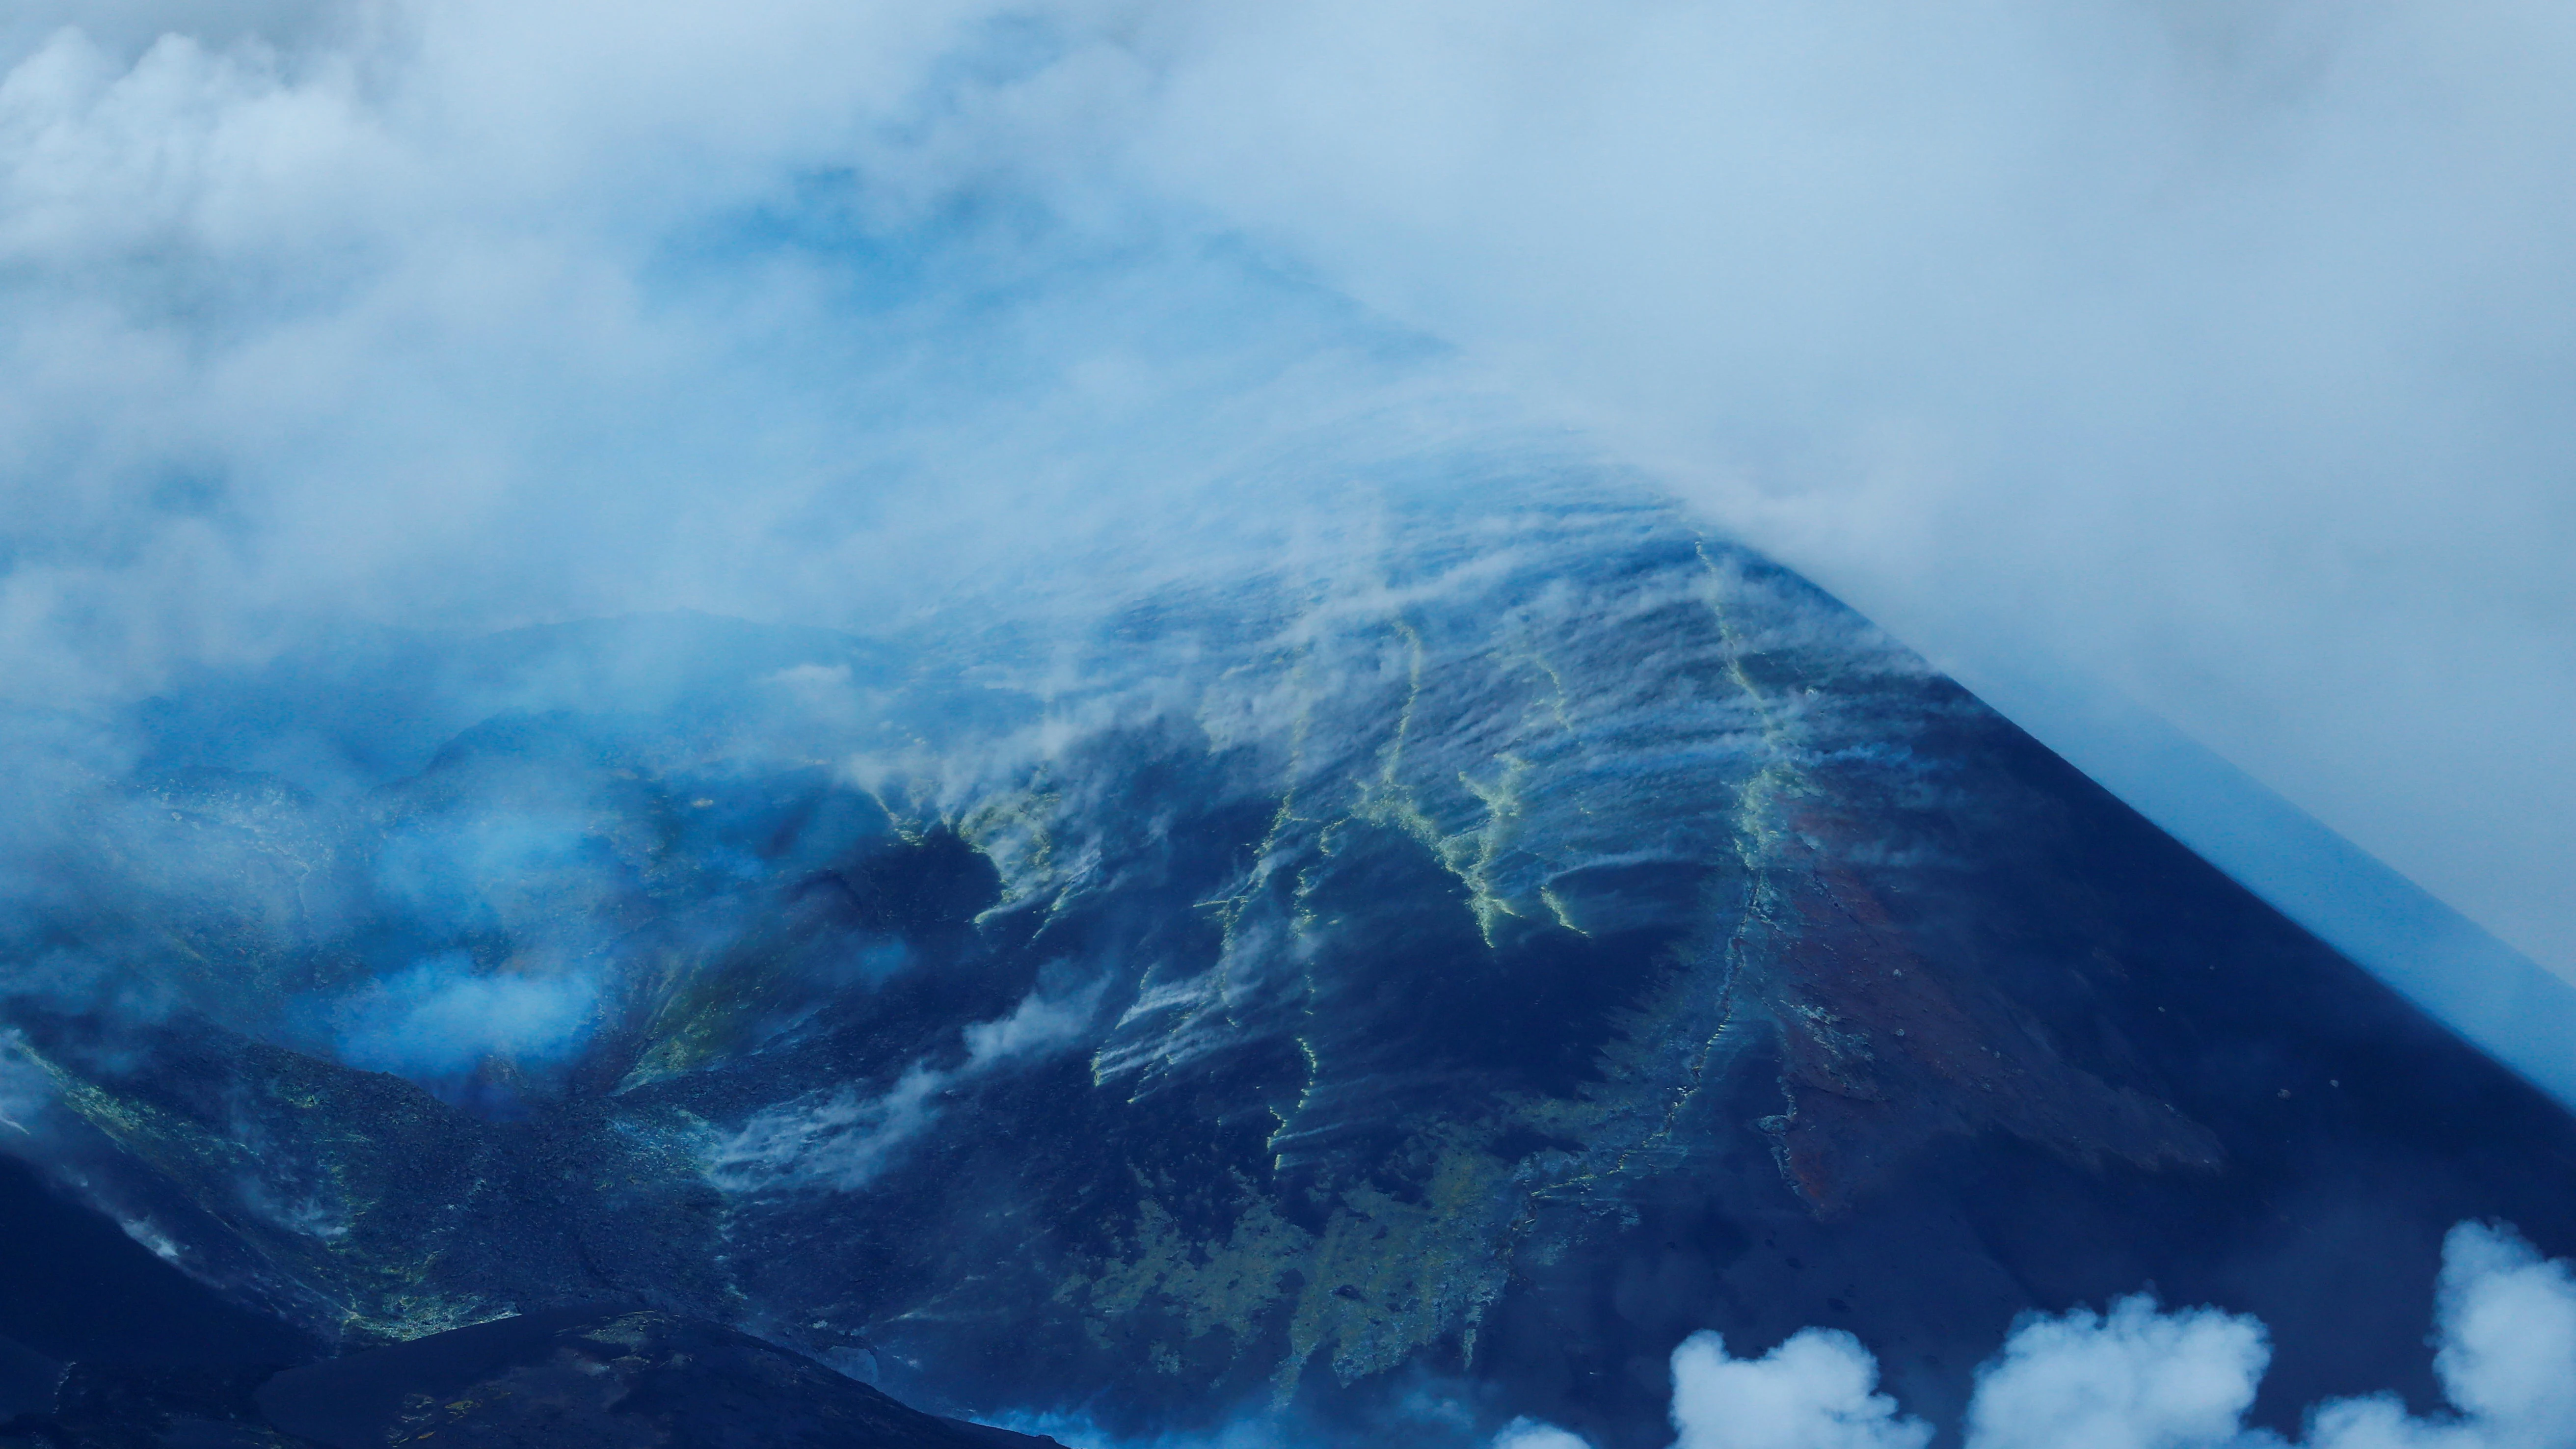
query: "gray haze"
2216, 353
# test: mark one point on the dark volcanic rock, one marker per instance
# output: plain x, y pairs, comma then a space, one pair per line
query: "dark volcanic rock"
1447, 986
78, 1289
588, 1379
153, 1406
574, 1378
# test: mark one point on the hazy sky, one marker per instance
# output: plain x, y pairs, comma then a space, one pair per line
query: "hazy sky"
2219, 350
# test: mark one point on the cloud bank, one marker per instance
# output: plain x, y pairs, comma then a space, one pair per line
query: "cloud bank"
439, 1019
2220, 350
841, 1141
2211, 351
2141, 1378
469, 316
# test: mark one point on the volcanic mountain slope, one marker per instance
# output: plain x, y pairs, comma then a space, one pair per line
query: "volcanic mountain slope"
591, 1377
1447, 983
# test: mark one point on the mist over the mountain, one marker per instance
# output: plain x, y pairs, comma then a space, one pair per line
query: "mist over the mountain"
2211, 351
1115, 677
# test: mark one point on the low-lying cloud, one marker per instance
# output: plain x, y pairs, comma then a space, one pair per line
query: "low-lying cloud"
2141, 1377
2213, 349
442, 1019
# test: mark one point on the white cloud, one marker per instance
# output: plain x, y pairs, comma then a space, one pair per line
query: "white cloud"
2217, 349
1531, 1434
1034, 1025
1818, 1390
2506, 1323
2134, 1378
473, 314
2214, 348
2140, 1378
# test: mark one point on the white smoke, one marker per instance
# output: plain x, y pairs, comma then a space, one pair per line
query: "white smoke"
467, 315
440, 1018
841, 1140
2507, 1328
2141, 1378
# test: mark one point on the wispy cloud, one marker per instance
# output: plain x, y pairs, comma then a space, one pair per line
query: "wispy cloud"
841, 1140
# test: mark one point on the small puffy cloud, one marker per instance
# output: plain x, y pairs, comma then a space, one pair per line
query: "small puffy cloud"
2134, 1378
1531, 1434
841, 1142
2141, 1378
1816, 1391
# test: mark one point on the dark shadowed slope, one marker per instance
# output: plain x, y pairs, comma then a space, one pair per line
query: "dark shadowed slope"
1449, 981
74, 1286
2503, 1001
606, 1377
